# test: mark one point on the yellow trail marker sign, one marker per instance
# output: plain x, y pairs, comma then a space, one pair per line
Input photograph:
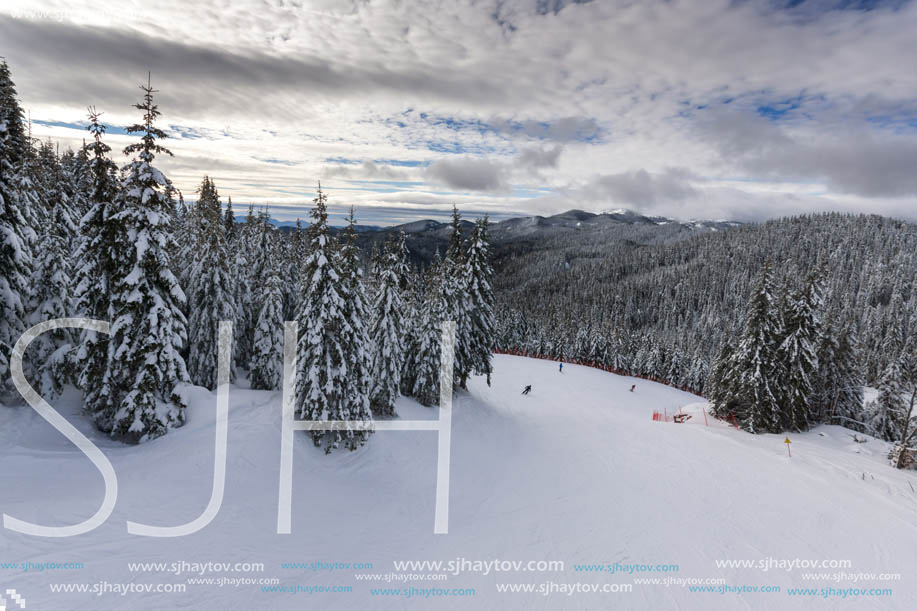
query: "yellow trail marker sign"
788, 442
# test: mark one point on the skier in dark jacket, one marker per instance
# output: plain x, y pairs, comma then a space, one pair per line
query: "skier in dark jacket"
527, 389
633, 387
561, 368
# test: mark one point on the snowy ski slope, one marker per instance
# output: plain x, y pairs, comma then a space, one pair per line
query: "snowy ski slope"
575, 472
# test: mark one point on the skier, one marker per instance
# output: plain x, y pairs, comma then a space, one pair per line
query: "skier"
561, 368
633, 387
527, 389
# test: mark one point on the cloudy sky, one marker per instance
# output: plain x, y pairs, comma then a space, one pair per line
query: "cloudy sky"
707, 109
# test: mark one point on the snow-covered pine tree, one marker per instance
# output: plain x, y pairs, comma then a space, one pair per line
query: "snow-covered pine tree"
457, 305
188, 229
55, 191
77, 181
675, 371
95, 257
42, 169
266, 364
356, 309
826, 382
372, 279
28, 185
838, 397
754, 375
52, 279
296, 252
402, 255
656, 362
697, 373
886, 414
904, 454
386, 333
241, 270
412, 303
325, 379
229, 221
720, 385
356, 306
148, 328
211, 288
848, 387
801, 337
264, 246
16, 233
479, 289
251, 252
425, 355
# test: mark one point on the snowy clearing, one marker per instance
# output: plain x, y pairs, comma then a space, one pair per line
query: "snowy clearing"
577, 472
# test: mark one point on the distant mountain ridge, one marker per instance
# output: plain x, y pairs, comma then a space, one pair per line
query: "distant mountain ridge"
528, 225
579, 220
424, 237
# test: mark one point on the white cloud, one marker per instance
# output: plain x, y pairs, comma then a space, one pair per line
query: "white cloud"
599, 100
469, 174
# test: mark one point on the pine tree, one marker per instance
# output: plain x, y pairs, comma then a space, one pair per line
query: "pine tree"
798, 354
260, 239
886, 418
266, 364
357, 312
250, 260
386, 333
456, 303
28, 185
825, 382
16, 233
56, 203
904, 454
229, 221
838, 397
675, 368
754, 376
479, 287
698, 374
52, 281
95, 255
211, 288
241, 271
425, 355
849, 383
412, 301
77, 181
402, 255
296, 252
148, 328
325, 379
188, 230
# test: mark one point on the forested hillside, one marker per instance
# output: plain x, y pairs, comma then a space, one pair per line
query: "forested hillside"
81, 237
664, 309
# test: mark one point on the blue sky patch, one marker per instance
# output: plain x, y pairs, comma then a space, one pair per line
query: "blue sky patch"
403, 163
81, 125
285, 162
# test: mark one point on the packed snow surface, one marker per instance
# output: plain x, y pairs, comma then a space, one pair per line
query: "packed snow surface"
577, 471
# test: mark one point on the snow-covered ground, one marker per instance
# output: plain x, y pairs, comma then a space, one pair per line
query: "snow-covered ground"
577, 472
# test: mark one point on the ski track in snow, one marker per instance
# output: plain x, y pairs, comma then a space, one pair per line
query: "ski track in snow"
576, 471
